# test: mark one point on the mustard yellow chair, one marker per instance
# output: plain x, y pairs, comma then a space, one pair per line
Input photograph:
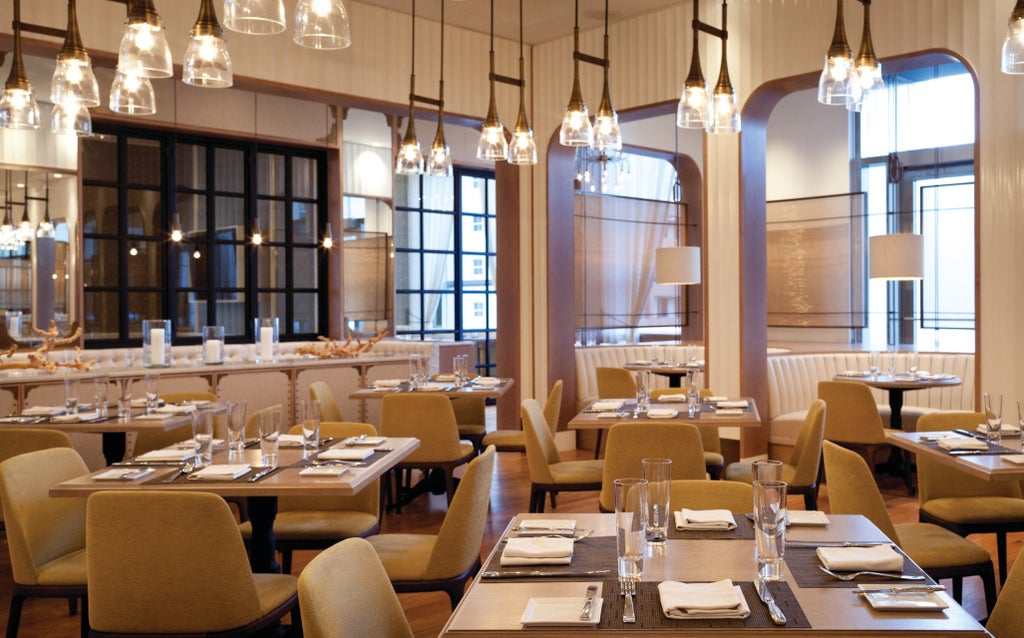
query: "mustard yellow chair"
447, 560
962, 503
329, 411
853, 419
629, 442
333, 608
174, 563
1007, 617
317, 522
153, 439
471, 417
15, 441
431, 419
802, 470
515, 440
548, 472
714, 462
613, 383
699, 494
938, 551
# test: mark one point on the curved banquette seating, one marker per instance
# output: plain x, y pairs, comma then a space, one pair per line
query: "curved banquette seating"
590, 358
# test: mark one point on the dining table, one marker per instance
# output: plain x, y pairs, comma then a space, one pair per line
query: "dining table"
260, 486
674, 372
896, 385
507, 601
1000, 461
493, 388
602, 414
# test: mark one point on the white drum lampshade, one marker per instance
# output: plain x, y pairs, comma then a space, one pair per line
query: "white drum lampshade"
897, 257
678, 265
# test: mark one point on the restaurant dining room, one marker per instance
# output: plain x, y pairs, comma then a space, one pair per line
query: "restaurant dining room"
493, 318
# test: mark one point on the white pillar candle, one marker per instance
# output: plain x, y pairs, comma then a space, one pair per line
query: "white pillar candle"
267, 344
212, 350
156, 346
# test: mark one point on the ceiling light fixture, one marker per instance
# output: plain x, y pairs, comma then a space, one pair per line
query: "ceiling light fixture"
440, 162
410, 157
867, 68
132, 94
718, 112
144, 50
321, 24
328, 241
207, 62
694, 109
1013, 46
73, 79
607, 136
836, 86
604, 170
492, 145
70, 118
725, 110
576, 128
18, 109
257, 233
176, 233
255, 17
523, 150
45, 229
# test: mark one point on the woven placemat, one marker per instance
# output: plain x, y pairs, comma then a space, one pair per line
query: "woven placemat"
373, 458
241, 479
744, 531
593, 553
649, 616
993, 448
804, 565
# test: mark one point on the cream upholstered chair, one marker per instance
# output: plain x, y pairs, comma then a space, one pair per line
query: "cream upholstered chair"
548, 472
1007, 617
179, 567
153, 439
692, 494
45, 536
612, 383
803, 468
853, 418
329, 411
333, 608
963, 503
317, 522
471, 417
515, 440
629, 442
714, 462
252, 422
447, 560
430, 418
941, 553
15, 441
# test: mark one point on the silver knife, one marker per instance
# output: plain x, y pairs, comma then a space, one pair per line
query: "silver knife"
588, 606
540, 574
773, 608
258, 475
905, 589
816, 544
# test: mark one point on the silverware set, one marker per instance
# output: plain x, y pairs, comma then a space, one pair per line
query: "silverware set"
852, 575
628, 587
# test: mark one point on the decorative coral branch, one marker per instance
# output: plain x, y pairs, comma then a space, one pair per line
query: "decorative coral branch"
37, 360
330, 349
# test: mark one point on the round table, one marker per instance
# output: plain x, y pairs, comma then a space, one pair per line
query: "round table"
674, 371
897, 385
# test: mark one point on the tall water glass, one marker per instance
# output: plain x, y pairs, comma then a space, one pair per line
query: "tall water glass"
70, 396
657, 471
630, 527
875, 361
152, 392
993, 417
460, 365
309, 415
124, 397
270, 433
101, 387
770, 529
202, 437
693, 393
643, 392
236, 428
766, 471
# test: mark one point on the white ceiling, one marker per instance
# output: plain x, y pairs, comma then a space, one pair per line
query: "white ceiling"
543, 20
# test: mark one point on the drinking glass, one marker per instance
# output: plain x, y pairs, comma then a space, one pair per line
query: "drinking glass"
70, 396
875, 360
152, 392
630, 527
892, 363
913, 361
770, 529
643, 393
236, 428
270, 433
202, 437
309, 415
767, 471
124, 397
993, 417
459, 367
693, 394
657, 471
1020, 417
101, 387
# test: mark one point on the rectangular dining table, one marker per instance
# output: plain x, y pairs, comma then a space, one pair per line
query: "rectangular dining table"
447, 389
590, 419
991, 467
494, 607
262, 494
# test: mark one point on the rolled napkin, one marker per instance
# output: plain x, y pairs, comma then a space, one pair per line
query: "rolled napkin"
75, 418
879, 558
662, 413
444, 378
720, 599
1007, 429
673, 398
613, 405
537, 551
346, 454
962, 443
741, 403
704, 520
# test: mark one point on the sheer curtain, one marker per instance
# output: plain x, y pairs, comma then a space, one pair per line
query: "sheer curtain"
438, 235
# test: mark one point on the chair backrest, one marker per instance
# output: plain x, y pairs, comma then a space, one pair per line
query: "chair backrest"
15, 441
615, 383
941, 481
628, 443
41, 528
180, 565
428, 417
853, 413
462, 532
709, 437
852, 488
541, 451
333, 608
1007, 617
252, 422
469, 410
365, 500
329, 411
692, 494
154, 439
806, 456
553, 406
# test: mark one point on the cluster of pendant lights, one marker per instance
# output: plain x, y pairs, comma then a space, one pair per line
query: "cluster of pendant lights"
144, 55
1013, 46
845, 80
15, 237
718, 111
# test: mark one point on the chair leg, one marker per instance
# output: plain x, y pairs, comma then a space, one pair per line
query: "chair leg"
286, 561
537, 500
449, 485
554, 505
14, 615
84, 626
296, 616
455, 592
988, 580
958, 589
597, 446
72, 605
811, 499
1001, 550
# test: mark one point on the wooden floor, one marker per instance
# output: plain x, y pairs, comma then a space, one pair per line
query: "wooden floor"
510, 494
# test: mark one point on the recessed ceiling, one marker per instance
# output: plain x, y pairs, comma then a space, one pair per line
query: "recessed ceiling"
543, 20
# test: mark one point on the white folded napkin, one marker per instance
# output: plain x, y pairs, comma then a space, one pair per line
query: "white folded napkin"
431, 387
962, 443
369, 440
612, 405
741, 403
41, 410
1007, 429
487, 381
346, 454
720, 599
854, 373
641, 362
879, 558
806, 517
155, 416
688, 519
673, 398
290, 440
168, 454
220, 472
444, 378
730, 411
1016, 459
172, 408
388, 383
715, 399
323, 470
537, 551
662, 413
124, 474
608, 415
75, 418
214, 443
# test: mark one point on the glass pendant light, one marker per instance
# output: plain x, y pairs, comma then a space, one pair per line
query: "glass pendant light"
867, 68
70, 118
607, 136
255, 17
25, 226
694, 110
725, 112
492, 145
523, 149
18, 109
257, 233
176, 233
132, 94
207, 62
328, 241
45, 229
837, 82
144, 50
73, 76
576, 128
410, 157
1013, 46
440, 162
322, 24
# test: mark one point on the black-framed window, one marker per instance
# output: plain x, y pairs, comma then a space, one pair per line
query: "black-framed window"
214, 276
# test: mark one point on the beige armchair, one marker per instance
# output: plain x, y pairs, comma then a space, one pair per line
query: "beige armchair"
548, 472
612, 383
515, 440
15, 441
710, 439
736, 497
853, 419
329, 411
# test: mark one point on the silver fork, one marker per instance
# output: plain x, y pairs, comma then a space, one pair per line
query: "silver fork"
629, 611
853, 575
185, 469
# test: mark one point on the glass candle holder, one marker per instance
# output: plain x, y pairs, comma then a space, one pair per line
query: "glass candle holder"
267, 335
213, 345
156, 343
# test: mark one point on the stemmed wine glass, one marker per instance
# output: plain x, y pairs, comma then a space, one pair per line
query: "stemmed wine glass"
875, 359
